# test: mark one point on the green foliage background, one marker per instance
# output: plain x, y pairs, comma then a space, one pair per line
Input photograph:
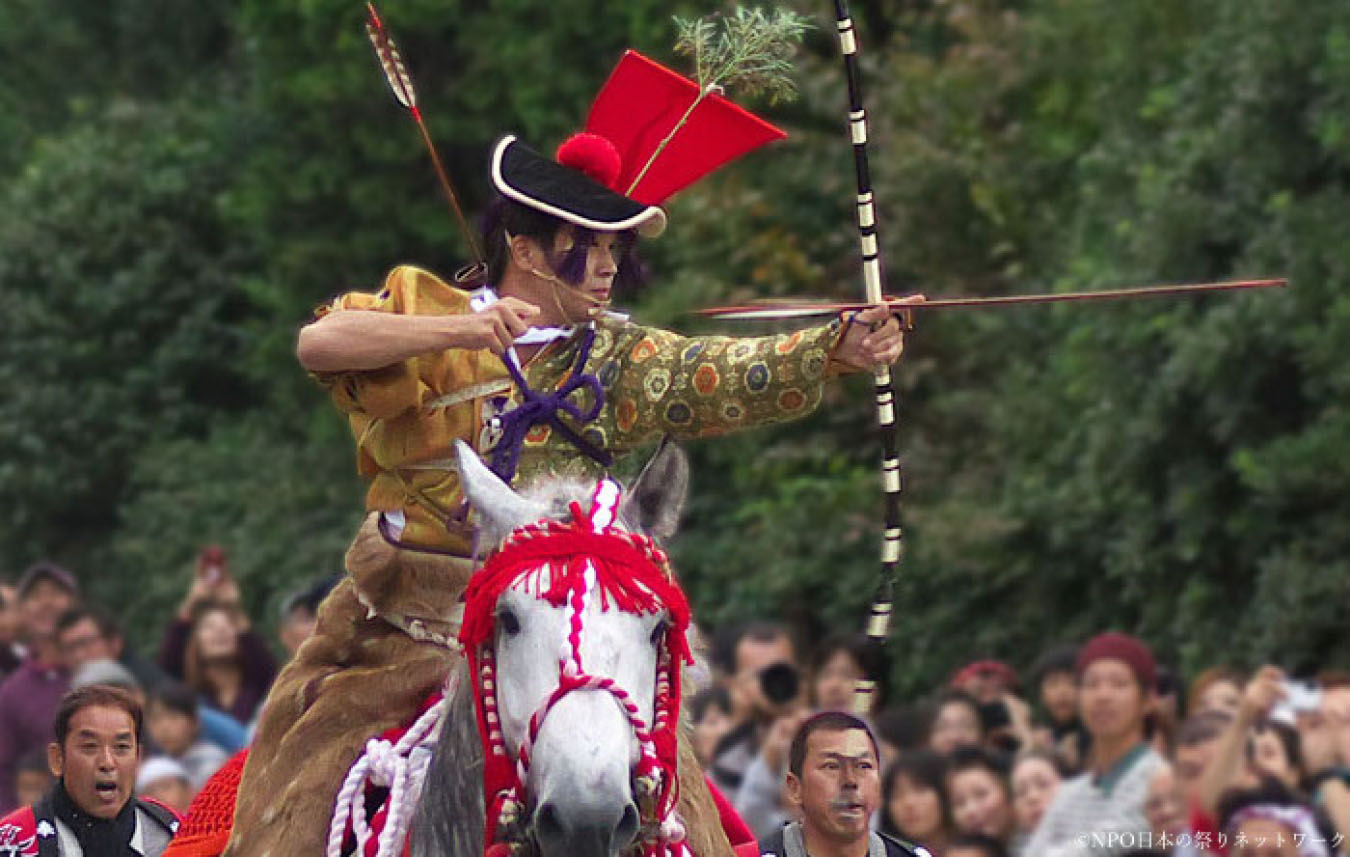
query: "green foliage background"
183, 183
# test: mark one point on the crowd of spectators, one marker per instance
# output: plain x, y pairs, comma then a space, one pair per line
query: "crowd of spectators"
195, 703
1095, 750
1098, 750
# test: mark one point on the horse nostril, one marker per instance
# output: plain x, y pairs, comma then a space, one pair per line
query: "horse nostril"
627, 830
547, 824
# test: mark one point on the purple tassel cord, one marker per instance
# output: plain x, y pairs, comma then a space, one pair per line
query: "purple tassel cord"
540, 408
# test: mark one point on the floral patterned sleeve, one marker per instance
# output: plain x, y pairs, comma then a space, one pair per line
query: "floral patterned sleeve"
698, 386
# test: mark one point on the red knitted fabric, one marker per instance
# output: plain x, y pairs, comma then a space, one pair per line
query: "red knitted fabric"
210, 817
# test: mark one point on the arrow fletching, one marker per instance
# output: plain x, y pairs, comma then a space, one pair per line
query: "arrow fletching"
390, 61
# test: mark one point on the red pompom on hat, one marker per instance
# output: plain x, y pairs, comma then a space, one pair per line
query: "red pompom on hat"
593, 155
1120, 647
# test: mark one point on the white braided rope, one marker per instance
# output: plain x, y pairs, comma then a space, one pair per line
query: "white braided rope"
400, 767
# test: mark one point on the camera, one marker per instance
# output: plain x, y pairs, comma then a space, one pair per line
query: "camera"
1302, 696
779, 683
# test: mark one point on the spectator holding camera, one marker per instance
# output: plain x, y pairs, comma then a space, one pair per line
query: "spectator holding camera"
1258, 747
211, 646
760, 800
763, 686
1231, 763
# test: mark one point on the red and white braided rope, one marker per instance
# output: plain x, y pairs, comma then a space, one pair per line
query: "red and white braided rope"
399, 766
667, 834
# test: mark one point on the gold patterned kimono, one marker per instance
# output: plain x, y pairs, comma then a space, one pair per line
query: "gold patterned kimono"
406, 417
383, 639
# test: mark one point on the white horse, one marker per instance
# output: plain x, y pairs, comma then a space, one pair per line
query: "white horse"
571, 694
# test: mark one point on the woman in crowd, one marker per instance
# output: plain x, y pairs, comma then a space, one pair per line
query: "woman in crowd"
839, 662
981, 799
914, 801
956, 723
1217, 688
210, 645
1036, 775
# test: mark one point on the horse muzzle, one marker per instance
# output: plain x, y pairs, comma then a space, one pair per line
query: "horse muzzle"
579, 826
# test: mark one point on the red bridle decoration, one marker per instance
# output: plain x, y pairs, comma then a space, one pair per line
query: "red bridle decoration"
586, 557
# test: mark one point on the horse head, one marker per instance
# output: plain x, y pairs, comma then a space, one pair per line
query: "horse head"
575, 634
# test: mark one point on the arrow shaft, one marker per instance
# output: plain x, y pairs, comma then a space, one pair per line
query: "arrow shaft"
802, 309
448, 187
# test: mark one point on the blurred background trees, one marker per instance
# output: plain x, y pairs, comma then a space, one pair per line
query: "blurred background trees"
183, 183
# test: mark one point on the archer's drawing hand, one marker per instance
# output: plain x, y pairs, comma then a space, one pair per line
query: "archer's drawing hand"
497, 327
873, 338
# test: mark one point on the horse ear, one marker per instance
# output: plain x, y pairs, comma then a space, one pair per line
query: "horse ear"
500, 509
656, 499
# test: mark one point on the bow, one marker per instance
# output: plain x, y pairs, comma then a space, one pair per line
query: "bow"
879, 619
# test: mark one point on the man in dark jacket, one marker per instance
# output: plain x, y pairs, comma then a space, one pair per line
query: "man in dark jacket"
834, 783
30, 695
91, 810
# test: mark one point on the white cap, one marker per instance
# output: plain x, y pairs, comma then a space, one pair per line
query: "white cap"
158, 768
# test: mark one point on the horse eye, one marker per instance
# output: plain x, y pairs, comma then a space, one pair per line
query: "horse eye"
507, 621
659, 632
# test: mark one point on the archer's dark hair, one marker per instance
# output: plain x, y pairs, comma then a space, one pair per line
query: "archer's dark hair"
504, 216
826, 721
89, 696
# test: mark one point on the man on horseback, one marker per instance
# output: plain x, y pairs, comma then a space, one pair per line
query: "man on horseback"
539, 377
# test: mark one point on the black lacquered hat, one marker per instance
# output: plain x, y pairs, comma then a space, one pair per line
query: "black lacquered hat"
569, 192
